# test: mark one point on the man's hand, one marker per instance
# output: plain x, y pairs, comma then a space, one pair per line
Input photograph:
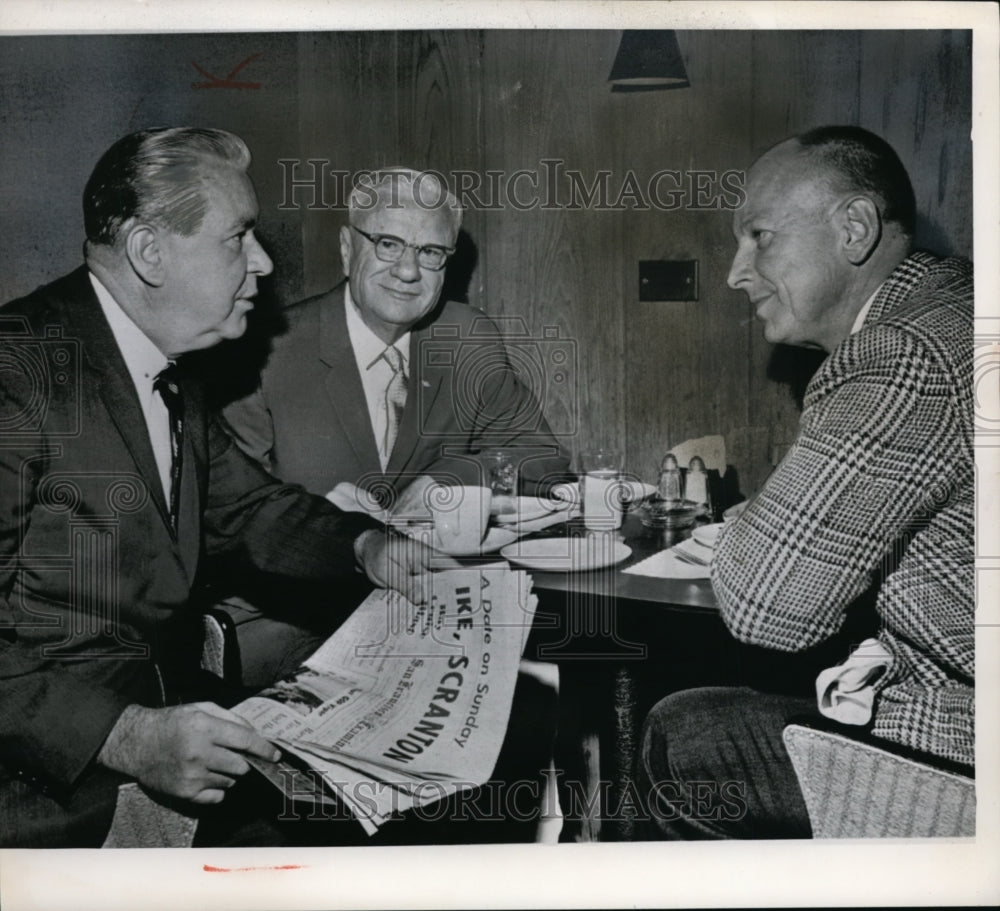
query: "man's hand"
394, 561
190, 751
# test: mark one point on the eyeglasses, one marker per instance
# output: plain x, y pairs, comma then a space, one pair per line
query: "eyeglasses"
390, 249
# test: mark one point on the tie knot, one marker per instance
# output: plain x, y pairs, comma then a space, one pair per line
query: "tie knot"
394, 358
168, 380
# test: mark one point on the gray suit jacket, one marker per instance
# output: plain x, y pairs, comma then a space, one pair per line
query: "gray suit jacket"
308, 421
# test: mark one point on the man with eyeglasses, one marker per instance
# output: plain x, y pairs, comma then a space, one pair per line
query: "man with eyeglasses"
380, 383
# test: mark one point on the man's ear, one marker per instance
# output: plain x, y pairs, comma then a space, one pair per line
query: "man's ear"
862, 229
346, 248
145, 254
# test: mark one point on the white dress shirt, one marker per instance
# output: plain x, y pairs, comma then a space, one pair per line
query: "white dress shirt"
144, 361
859, 320
374, 369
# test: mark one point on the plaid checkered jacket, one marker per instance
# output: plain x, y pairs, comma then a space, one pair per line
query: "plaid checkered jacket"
878, 487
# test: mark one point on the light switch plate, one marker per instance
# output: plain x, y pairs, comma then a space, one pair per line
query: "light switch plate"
668, 280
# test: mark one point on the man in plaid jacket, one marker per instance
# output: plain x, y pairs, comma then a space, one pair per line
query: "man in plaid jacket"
877, 490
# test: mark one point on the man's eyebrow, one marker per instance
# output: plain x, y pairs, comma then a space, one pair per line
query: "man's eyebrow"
741, 219
243, 224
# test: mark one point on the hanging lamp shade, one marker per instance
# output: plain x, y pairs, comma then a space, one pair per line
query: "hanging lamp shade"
648, 60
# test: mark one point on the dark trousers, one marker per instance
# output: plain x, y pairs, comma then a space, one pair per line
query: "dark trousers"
712, 765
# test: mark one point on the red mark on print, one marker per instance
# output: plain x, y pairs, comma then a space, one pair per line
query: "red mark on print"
208, 868
214, 82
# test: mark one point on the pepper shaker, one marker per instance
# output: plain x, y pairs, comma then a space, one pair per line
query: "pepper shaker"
697, 485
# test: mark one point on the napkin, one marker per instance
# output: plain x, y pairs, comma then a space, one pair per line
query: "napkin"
846, 692
552, 518
351, 498
666, 565
712, 450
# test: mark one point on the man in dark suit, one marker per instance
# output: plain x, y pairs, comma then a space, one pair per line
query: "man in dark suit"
115, 484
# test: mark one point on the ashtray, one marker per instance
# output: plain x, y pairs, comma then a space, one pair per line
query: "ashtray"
657, 513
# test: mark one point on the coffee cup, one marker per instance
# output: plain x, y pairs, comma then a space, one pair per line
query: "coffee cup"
460, 516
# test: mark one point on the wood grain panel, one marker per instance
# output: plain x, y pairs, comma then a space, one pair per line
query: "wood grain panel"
686, 362
545, 97
440, 126
649, 374
348, 101
916, 93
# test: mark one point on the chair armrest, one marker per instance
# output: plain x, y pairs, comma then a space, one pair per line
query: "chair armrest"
857, 790
221, 651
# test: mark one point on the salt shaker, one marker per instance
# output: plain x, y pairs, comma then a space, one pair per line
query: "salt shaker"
696, 489
670, 478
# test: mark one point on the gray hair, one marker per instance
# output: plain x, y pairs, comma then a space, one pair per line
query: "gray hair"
157, 176
382, 189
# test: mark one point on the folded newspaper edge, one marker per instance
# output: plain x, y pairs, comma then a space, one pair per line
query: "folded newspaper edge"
403, 705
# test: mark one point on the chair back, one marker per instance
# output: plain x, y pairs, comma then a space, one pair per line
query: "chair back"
856, 790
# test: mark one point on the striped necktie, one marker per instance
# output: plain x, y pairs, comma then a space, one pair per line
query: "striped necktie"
167, 384
395, 396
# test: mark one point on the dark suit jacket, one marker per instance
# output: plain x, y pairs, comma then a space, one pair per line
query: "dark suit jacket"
94, 584
308, 421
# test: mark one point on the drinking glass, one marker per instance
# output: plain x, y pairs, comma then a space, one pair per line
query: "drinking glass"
502, 481
602, 494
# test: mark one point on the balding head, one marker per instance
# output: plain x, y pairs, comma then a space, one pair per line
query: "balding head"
858, 161
815, 235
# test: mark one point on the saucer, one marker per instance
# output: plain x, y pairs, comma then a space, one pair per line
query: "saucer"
566, 554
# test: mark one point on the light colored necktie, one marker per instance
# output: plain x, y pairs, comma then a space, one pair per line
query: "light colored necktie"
395, 396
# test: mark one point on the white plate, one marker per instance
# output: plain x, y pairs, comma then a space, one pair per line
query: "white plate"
707, 534
528, 508
494, 540
566, 554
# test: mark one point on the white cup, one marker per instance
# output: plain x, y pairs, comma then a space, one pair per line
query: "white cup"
460, 515
602, 491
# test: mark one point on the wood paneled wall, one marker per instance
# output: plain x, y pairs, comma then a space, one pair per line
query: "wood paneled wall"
648, 375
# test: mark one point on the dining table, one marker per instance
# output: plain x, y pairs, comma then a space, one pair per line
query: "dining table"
621, 642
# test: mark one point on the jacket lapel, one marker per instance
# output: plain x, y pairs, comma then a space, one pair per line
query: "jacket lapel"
420, 398
343, 383
115, 384
194, 474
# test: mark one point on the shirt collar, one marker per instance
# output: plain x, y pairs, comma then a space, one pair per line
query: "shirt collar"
859, 320
142, 358
368, 347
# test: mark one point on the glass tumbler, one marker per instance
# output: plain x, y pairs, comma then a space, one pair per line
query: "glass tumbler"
602, 493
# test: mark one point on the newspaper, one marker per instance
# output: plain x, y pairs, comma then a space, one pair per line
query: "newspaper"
403, 705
